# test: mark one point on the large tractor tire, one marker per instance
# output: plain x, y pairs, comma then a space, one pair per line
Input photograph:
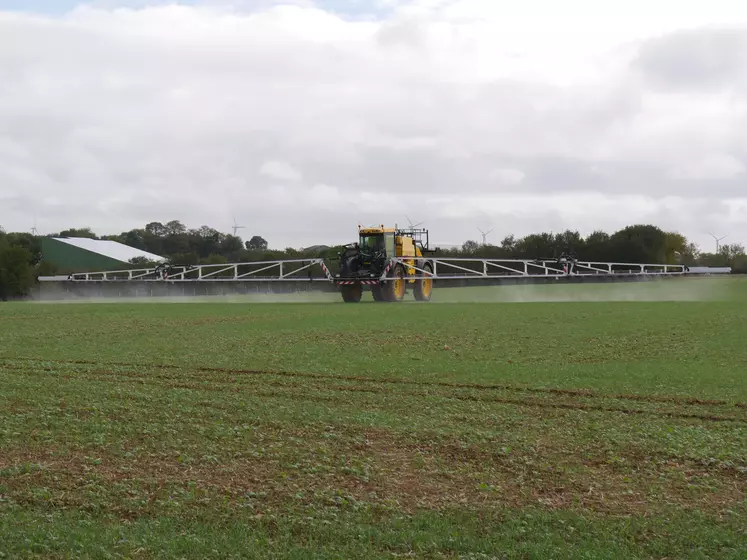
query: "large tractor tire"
424, 286
379, 292
396, 286
351, 293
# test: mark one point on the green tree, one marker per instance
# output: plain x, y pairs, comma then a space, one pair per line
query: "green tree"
596, 247
231, 245
29, 242
639, 244
733, 255
678, 249
73, 232
509, 245
470, 247
256, 243
537, 246
16, 273
134, 238
175, 227
157, 229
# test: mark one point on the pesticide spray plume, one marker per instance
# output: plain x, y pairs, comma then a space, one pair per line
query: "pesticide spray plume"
649, 289
153, 293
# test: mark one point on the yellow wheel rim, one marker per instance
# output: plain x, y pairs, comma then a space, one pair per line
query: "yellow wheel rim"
427, 284
399, 287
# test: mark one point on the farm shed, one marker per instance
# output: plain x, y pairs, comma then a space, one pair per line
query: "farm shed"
81, 254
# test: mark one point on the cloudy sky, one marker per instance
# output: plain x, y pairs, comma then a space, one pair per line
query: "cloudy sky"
304, 118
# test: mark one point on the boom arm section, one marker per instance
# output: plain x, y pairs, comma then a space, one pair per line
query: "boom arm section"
319, 270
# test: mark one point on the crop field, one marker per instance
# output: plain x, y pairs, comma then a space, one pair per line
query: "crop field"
600, 421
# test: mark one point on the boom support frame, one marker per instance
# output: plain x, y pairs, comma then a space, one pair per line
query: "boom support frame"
295, 270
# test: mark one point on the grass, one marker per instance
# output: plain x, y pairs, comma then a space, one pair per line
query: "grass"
478, 428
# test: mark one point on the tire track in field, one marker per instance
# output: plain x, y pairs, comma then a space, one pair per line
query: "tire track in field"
303, 393
674, 399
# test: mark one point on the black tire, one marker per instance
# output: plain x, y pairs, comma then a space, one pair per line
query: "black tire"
379, 295
424, 288
351, 293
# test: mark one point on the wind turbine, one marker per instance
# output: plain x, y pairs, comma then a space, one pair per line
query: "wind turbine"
484, 234
34, 231
236, 227
413, 226
718, 240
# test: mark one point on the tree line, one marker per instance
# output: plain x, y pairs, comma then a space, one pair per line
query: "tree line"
21, 259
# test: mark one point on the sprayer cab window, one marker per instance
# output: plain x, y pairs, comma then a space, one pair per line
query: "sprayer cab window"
372, 243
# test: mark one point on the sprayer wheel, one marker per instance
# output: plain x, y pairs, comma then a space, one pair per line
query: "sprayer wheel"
379, 295
396, 285
351, 293
424, 287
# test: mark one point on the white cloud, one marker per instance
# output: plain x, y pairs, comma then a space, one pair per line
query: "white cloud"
279, 170
507, 176
324, 196
710, 167
532, 115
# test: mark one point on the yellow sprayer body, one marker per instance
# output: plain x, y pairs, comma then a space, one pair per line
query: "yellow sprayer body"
396, 245
406, 248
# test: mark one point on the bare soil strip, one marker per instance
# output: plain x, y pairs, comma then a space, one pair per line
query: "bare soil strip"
411, 476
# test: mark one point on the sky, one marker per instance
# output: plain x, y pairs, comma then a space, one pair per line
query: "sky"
301, 119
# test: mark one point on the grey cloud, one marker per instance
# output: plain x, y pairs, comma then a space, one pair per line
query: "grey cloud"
699, 60
172, 114
623, 178
426, 171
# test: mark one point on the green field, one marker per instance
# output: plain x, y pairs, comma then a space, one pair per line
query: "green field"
604, 421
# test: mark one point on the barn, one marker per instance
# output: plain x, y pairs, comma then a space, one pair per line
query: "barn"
81, 254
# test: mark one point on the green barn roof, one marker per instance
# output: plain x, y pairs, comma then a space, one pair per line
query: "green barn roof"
81, 254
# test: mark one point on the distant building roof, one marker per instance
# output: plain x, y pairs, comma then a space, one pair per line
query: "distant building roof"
710, 269
111, 249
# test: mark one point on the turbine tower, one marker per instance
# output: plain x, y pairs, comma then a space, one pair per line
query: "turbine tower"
236, 227
484, 234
